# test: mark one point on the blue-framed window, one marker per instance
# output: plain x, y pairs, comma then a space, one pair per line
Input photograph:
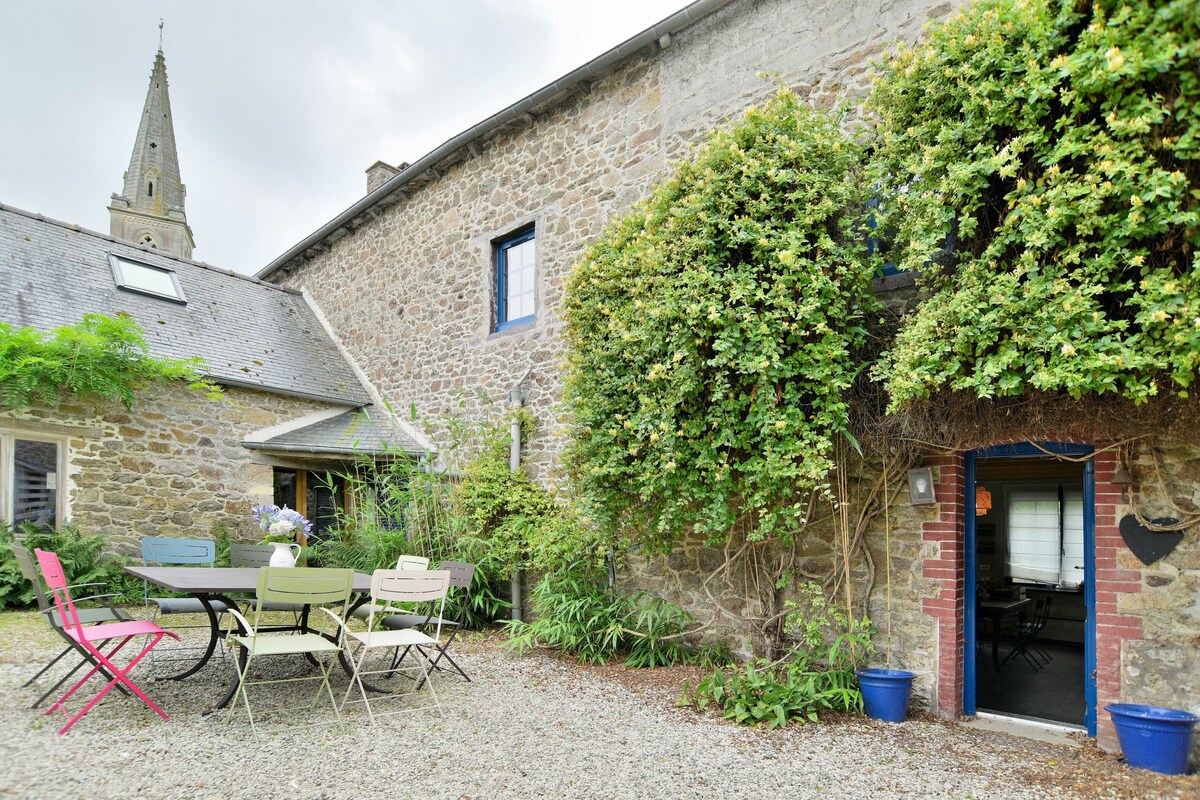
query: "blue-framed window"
876, 241
515, 279
881, 242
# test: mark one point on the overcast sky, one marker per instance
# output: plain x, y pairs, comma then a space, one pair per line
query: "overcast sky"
279, 107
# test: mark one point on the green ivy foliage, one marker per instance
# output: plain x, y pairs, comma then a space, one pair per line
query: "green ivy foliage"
520, 523
712, 332
101, 357
1058, 144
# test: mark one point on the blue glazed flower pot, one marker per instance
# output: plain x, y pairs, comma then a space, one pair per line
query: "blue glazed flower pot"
885, 692
1153, 738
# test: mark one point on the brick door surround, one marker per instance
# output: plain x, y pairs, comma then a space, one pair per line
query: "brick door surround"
946, 565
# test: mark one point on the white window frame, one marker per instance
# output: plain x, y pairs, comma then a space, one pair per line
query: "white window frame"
123, 283
8, 438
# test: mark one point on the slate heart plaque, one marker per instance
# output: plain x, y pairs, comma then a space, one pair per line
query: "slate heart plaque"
1149, 546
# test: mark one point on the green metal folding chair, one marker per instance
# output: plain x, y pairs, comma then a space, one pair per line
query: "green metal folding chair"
302, 586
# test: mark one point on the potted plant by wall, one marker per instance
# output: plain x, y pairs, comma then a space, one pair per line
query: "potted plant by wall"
886, 691
1153, 738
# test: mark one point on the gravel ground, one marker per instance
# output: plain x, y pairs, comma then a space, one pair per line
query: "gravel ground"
526, 727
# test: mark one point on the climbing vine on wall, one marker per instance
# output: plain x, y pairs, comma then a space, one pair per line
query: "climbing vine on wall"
101, 357
1055, 147
712, 333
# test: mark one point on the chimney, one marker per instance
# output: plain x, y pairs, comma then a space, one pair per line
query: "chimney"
380, 172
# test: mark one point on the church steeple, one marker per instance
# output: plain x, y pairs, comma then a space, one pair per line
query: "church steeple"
149, 210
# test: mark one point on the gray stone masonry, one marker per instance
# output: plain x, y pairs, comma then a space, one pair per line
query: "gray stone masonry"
172, 466
412, 293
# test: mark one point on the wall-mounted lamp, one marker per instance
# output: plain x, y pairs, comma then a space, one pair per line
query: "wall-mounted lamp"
920, 486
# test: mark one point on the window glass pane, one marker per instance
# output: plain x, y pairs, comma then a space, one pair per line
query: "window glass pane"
324, 495
518, 277
1034, 550
285, 488
521, 306
35, 482
148, 279
1072, 559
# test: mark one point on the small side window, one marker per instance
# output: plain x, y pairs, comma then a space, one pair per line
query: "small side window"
516, 275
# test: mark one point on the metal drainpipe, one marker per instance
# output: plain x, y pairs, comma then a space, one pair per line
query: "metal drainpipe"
516, 399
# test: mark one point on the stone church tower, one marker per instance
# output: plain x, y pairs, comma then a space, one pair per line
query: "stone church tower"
149, 210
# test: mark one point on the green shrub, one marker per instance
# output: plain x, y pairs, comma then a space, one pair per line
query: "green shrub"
101, 357
816, 675
81, 558
575, 612
713, 334
402, 508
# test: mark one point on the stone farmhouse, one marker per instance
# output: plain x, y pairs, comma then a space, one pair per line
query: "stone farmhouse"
445, 279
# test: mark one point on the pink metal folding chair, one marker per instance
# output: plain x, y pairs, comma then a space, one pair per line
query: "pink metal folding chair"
90, 638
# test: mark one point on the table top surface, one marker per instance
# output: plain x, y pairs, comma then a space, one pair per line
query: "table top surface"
1005, 605
217, 580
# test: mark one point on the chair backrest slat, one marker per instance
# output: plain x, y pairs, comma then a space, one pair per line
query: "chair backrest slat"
244, 554
461, 573
169, 550
409, 585
412, 562
304, 586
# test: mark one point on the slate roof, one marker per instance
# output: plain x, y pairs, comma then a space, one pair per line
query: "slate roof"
250, 333
364, 430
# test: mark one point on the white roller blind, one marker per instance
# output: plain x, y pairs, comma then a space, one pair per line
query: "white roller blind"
1072, 560
1045, 543
1033, 535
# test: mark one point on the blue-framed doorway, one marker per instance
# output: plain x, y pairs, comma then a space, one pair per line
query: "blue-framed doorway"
970, 544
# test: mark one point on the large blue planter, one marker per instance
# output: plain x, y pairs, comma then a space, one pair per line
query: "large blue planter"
885, 693
1153, 738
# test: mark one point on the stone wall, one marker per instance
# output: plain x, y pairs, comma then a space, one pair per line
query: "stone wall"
909, 635
411, 293
172, 466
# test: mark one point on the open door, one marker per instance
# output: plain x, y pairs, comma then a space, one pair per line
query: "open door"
1030, 644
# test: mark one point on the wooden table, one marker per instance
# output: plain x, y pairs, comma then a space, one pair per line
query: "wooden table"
207, 584
996, 611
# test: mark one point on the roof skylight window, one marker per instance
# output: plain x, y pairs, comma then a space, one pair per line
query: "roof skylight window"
134, 276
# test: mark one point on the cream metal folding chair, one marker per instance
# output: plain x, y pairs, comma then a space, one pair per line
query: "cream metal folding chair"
390, 586
403, 562
462, 575
91, 637
302, 586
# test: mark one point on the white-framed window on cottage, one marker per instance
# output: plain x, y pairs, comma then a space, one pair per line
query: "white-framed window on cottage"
1045, 535
31, 473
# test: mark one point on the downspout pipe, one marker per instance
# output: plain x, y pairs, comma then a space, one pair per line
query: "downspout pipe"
516, 399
